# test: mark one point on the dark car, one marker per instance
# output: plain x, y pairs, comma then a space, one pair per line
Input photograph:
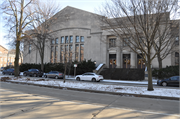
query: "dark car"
33, 72
8, 71
174, 80
54, 74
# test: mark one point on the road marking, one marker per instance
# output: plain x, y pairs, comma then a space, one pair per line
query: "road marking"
148, 112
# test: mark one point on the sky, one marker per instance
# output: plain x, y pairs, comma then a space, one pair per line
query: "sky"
87, 5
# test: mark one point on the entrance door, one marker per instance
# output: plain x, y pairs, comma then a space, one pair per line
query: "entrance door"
140, 62
112, 60
126, 60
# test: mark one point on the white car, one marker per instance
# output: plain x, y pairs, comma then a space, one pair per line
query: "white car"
89, 76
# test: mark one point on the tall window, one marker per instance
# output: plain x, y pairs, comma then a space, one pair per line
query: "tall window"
82, 38
71, 39
70, 52
52, 42
125, 41
81, 52
112, 42
177, 40
56, 54
66, 53
66, 39
77, 52
30, 48
57, 40
62, 39
61, 53
77, 39
176, 58
52, 54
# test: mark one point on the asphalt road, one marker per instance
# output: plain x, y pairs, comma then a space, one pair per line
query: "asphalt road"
26, 101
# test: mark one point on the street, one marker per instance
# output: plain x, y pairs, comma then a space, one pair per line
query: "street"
26, 101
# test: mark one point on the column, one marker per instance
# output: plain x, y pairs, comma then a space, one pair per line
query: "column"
133, 60
119, 58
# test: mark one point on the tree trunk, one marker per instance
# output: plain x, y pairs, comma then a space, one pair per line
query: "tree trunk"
65, 66
159, 61
150, 86
16, 62
42, 64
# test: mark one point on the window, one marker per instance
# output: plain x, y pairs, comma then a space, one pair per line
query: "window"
82, 38
71, 39
125, 41
56, 54
52, 42
77, 52
176, 58
77, 39
81, 52
61, 53
66, 39
177, 40
112, 42
29, 48
62, 39
52, 54
57, 40
66, 53
70, 52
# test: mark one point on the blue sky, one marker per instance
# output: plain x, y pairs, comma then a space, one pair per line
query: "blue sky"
87, 5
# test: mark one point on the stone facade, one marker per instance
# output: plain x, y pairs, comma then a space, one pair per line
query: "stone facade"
85, 40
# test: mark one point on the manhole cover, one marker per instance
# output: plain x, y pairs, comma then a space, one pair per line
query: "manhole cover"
118, 88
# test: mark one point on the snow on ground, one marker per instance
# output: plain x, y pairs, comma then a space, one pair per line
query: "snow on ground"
103, 87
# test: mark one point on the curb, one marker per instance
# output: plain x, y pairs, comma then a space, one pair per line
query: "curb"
105, 92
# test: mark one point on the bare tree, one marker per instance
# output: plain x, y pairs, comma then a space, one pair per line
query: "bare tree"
16, 14
164, 47
41, 32
136, 23
66, 56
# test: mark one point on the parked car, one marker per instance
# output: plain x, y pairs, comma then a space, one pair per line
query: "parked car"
89, 76
54, 74
174, 80
8, 71
33, 72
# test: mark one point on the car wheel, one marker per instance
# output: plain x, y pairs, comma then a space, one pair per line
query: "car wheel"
11, 74
45, 76
78, 79
164, 84
25, 74
93, 80
56, 77
34, 75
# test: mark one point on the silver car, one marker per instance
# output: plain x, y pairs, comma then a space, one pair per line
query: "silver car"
54, 74
90, 76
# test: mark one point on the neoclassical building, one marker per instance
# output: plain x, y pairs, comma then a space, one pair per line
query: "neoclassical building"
81, 36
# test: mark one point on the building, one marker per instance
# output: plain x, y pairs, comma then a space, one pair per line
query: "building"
79, 35
7, 57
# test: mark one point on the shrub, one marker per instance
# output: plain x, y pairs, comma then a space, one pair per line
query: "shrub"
123, 74
82, 67
166, 72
